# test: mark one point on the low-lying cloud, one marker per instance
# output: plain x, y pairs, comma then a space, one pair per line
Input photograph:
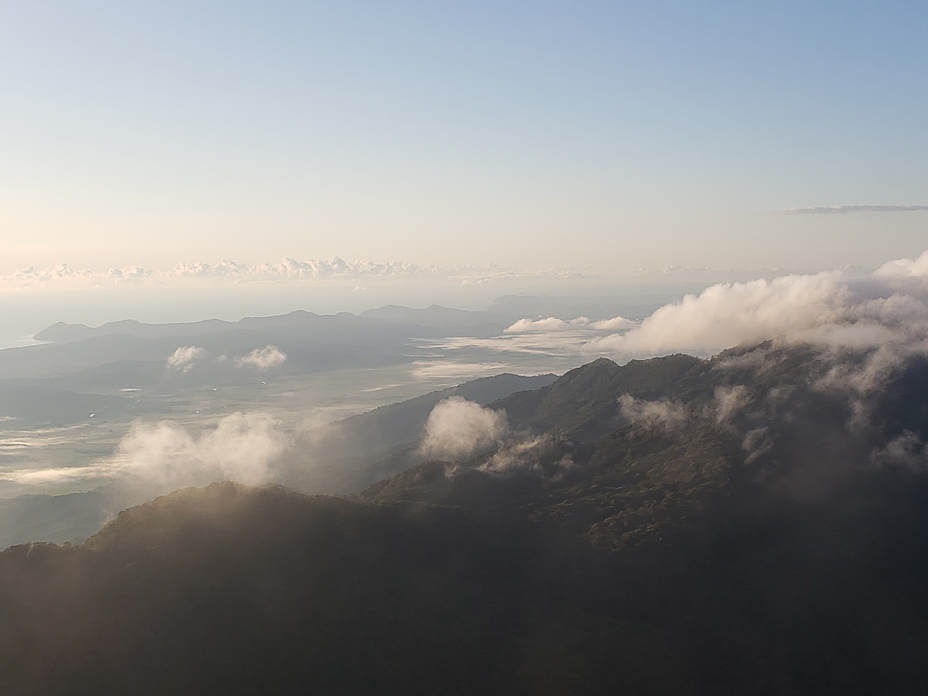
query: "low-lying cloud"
728, 402
263, 358
457, 428
669, 415
662, 414
455, 372
543, 325
185, 357
555, 324
242, 447
543, 454
889, 307
614, 324
906, 449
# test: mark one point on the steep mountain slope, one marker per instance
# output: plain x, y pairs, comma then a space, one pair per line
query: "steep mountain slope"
357, 451
759, 420
583, 402
757, 523
230, 590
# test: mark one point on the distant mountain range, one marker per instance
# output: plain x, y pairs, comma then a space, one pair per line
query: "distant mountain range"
311, 342
755, 523
325, 327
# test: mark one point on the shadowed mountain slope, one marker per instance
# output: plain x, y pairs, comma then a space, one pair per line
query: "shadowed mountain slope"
353, 453
583, 401
759, 525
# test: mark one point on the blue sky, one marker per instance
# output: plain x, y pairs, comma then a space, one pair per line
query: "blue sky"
602, 136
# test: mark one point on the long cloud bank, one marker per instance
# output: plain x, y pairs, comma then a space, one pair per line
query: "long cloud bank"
889, 307
288, 269
555, 324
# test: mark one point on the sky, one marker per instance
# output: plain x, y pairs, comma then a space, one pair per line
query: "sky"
560, 137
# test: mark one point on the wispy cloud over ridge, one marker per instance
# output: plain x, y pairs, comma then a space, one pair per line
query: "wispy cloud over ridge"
845, 209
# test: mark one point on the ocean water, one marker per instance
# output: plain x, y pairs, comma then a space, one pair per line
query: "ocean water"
17, 342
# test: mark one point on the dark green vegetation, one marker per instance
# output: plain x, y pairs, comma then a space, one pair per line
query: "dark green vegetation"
757, 523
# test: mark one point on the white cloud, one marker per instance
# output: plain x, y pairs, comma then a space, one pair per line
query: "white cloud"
56, 272
62, 272
534, 454
57, 475
833, 309
263, 358
904, 274
185, 357
293, 269
656, 415
553, 324
130, 273
241, 447
728, 402
614, 324
726, 315
457, 428
287, 270
544, 325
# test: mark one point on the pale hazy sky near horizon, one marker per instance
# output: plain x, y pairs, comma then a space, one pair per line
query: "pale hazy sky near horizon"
595, 136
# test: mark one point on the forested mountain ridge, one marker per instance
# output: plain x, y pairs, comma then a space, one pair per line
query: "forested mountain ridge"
755, 523
340, 457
